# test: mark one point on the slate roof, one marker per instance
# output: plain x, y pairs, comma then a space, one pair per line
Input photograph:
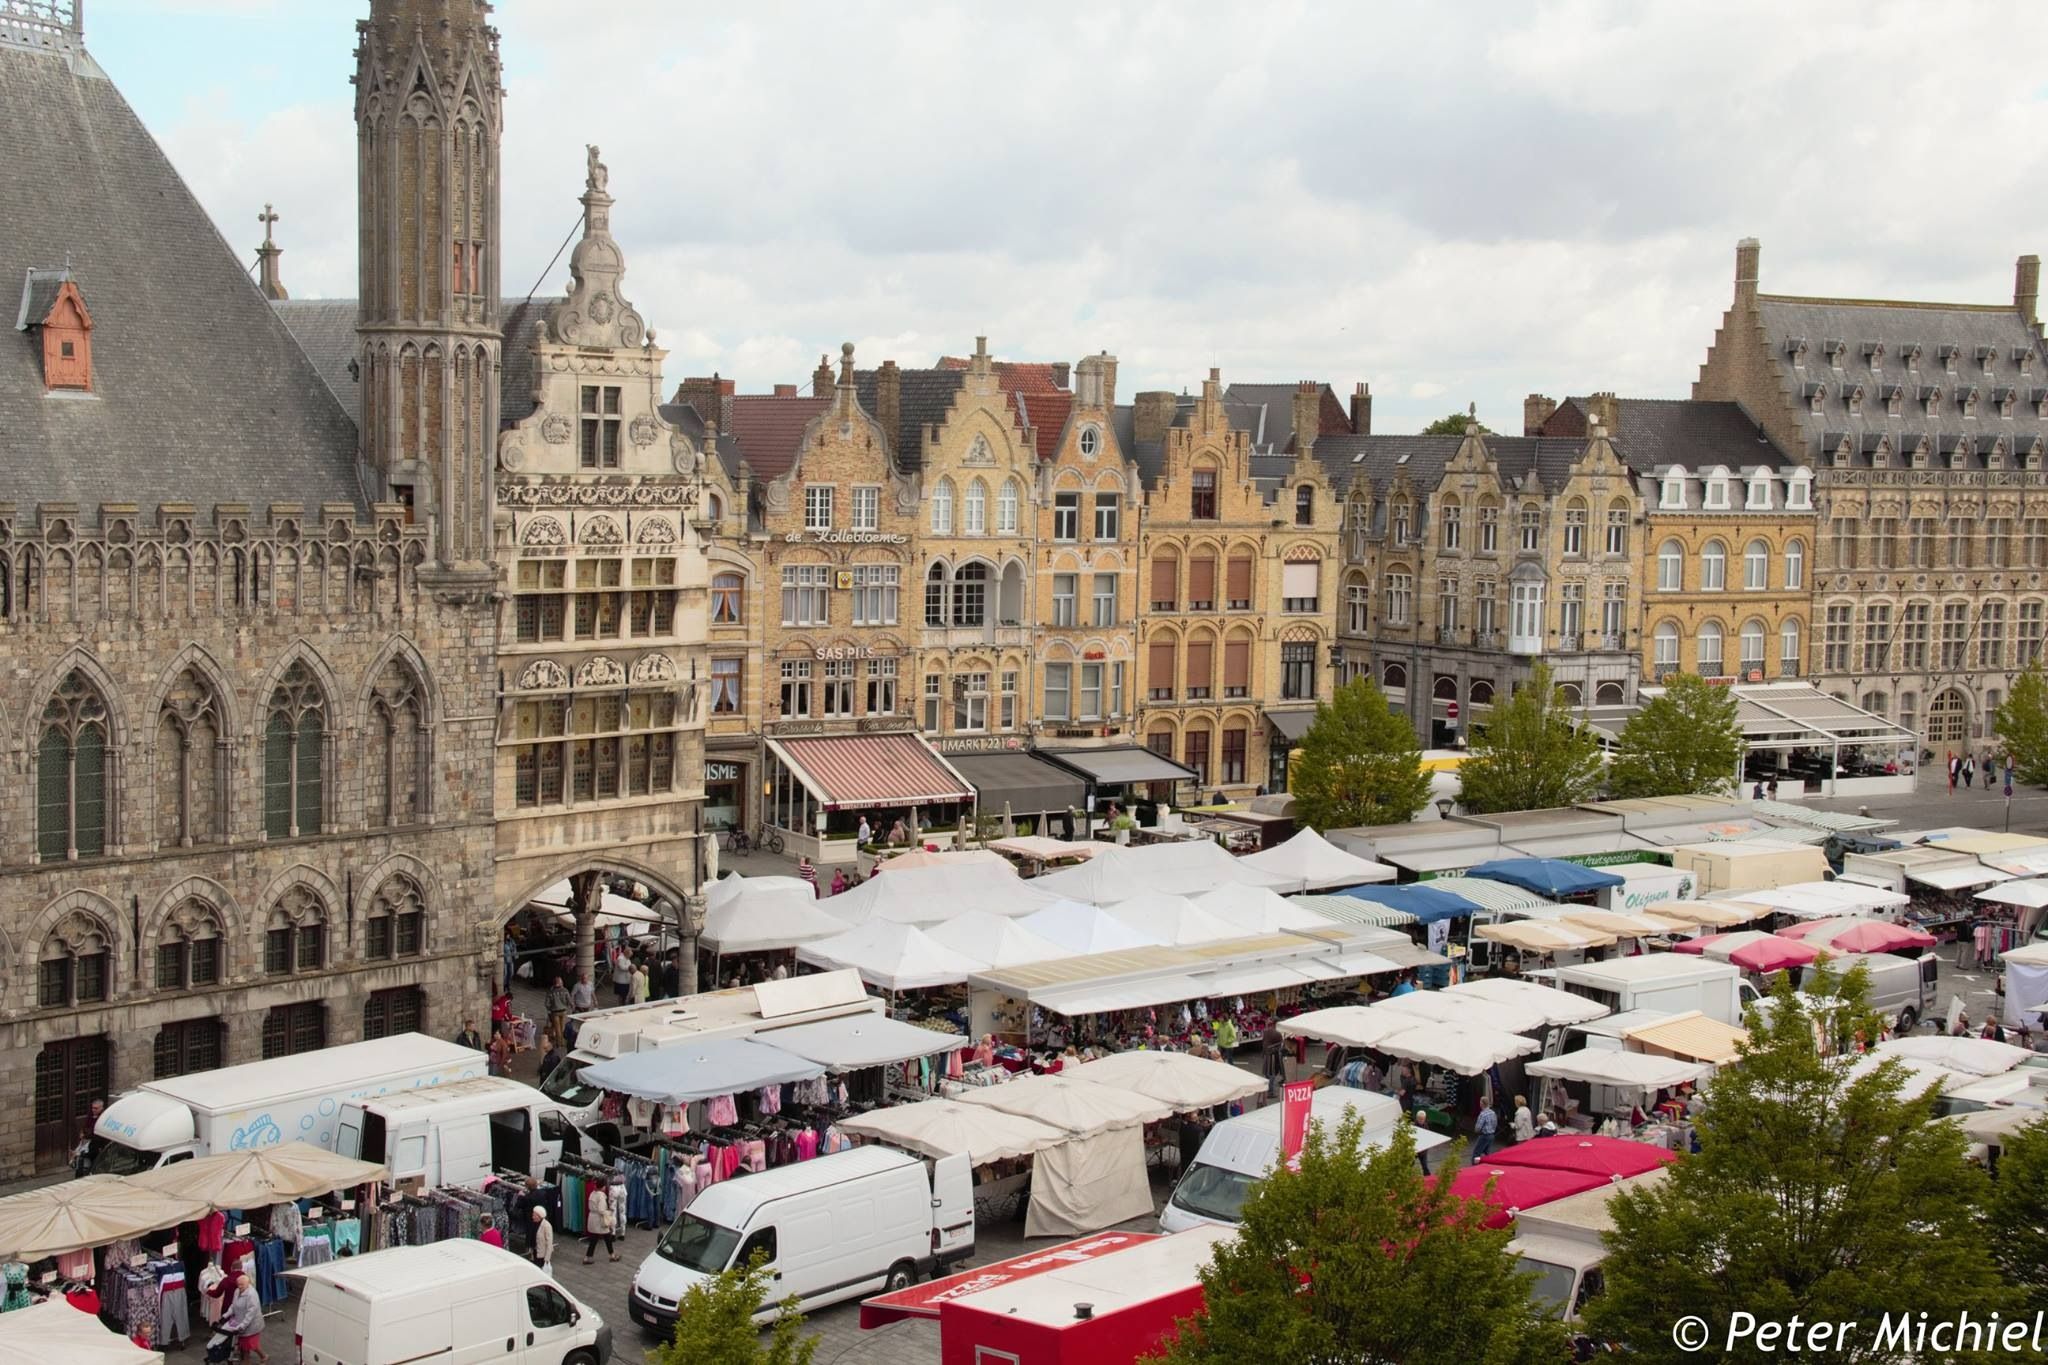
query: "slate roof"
926, 398
523, 320
1267, 412
768, 428
1856, 323
1382, 458
1657, 432
199, 393
39, 295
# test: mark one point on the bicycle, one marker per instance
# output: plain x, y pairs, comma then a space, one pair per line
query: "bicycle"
734, 840
767, 840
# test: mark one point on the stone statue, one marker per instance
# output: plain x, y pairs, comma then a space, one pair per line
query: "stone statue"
595, 174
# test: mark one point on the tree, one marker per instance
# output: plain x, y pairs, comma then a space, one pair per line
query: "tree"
1533, 754
1817, 1193
715, 1324
1455, 424
2022, 723
1357, 1258
1683, 743
1359, 763
2019, 1213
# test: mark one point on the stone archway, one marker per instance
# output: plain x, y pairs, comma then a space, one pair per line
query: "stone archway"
1948, 718
592, 878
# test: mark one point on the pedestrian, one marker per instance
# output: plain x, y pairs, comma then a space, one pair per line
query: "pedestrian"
469, 1037
1969, 772
244, 1321
1955, 770
1525, 1122
1406, 985
867, 832
1273, 1060
807, 872
899, 833
839, 882
1758, 794
582, 995
552, 1058
1547, 1128
510, 955
1483, 1131
622, 973
638, 986
501, 1054
599, 1221
1771, 789
501, 1014
543, 1254
558, 1004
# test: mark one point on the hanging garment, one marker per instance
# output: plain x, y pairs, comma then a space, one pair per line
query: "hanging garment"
209, 1296
720, 1111
640, 1113
210, 1229
174, 1314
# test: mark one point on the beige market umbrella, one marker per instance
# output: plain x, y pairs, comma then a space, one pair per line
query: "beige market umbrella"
1077, 1107
1614, 922
1709, 914
937, 1128
1538, 936
85, 1213
1179, 1079
250, 1180
1347, 1025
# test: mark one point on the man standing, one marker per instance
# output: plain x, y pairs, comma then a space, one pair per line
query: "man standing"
583, 996
1483, 1132
622, 973
558, 1004
469, 1037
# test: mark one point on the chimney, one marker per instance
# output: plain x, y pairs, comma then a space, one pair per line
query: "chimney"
1536, 410
1361, 410
1602, 409
1308, 415
708, 397
1152, 415
2026, 288
267, 278
1746, 253
889, 401
823, 380
1060, 374
1094, 378
789, 390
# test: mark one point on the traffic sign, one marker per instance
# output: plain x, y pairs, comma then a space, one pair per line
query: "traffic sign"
1451, 711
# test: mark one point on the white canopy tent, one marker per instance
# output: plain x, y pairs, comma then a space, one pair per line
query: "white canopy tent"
52, 1331
613, 910
850, 1043
1076, 1106
1347, 1025
2026, 985
1825, 900
1082, 929
1182, 868
1556, 1006
927, 895
1467, 1049
1978, 1056
995, 939
1313, 863
1178, 1079
1442, 1007
1172, 920
733, 885
1606, 1066
896, 957
2031, 892
754, 918
1259, 910
945, 1127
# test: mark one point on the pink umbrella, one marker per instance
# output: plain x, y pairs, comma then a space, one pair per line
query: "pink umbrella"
1859, 935
1773, 954
1695, 945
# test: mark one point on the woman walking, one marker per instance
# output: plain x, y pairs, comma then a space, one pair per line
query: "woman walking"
599, 1220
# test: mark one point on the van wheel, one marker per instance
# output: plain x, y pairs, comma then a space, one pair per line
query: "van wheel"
902, 1275
1907, 1021
580, 1358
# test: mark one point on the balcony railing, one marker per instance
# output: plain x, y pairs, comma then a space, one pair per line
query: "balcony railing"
1449, 635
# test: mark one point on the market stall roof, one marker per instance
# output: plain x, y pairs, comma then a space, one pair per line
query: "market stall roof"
266, 1176
1858, 935
1258, 910
1118, 765
1753, 950
75, 1214
998, 940
2031, 955
943, 857
754, 920
1813, 817
1437, 861
696, 1071
1718, 913
1980, 841
1165, 918
1367, 963
923, 1300
1556, 1006
1179, 1079
1612, 1157
861, 1040
1042, 849
1064, 1102
938, 1128
1488, 894
1978, 1056
1993, 1126
1346, 1025
1538, 936
1424, 903
1351, 910
1465, 1048
2030, 891
613, 909
1442, 1007
927, 895
733, 886
1639, 1070
1694, 1035
1825, 900
1617, 922
1084, 929
1106, 997
1184, 867
1706, 831
1511, 1189
862, 772
1779, 834
54, 1331
1547, 876
1313, 862
1020, 782
896, 957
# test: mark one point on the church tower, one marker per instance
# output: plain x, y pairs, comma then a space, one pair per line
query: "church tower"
429, 112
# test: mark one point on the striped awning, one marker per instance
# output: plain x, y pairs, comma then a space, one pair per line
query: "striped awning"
1350, 910
1488, 895
858, 772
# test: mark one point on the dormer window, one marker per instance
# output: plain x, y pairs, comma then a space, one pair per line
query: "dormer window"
1894, 398
1918, 455
1879, 448
52, 306
2039, 398
2005, 398
1834, 348
1799, 492
1966, 400
1673, 495
1758, 498
1795, 347
1986, 355
1816, 394
1873, 355
1841, 452
2032, 459
1994, 456
1930, 398
1948, 353
1717, 491
1852, 394
2023, 356
1910, 353
1959, 453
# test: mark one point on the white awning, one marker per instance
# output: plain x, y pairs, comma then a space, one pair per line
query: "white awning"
1955, 878
860, 1040
1362, 964
1124, 995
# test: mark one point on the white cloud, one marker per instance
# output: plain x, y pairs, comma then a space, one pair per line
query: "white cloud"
1466, 203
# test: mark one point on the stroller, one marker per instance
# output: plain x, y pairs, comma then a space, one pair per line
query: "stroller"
220, 1348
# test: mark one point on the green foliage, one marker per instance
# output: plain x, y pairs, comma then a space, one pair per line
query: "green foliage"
1356, 1258
1359, 763
1454, 425
1533, 755
715, 1324
2022, 723
1684, 742
1811, 1194
2019, 1213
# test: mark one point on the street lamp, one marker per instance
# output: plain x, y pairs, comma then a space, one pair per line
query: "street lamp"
1443, 807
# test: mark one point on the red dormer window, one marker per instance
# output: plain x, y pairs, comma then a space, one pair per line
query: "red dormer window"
67, 341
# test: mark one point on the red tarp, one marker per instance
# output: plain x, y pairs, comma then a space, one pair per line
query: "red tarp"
1601, 1156
923, 1300
1520, 1187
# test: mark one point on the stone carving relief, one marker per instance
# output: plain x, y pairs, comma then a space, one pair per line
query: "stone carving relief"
654, 668
602, 671
600, 530
512, 457
655, 531
544, 531
542, 674
79, 934
556, 429
578, 494
643, 430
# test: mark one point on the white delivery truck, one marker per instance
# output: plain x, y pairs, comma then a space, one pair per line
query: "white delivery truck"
1737, 865
458, 1300
1241, 1151
1562, 1242
1672, 983
459, 1133
1646, 884
261, 1104
839, 1227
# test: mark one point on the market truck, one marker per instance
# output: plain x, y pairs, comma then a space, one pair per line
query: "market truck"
1564, 1244
1737, 865
261, 1104
1646, 884
460, 1133
1670, 983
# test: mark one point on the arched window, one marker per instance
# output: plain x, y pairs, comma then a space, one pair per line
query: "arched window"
395, 764
974, 513
294, 740
1795, 564
1752, 639
1666, 644
1305, 506
397, 924
76, 964
1617, 527
1165, 581
970, 595
1006, 509
1609, 694
1482, 692
1670, 566
71, 772
1790, 648
1756, 566
1572, 694
1237, 581
1393, 675
1575, 527
728, 599
295, 939
942, 508
190, 767
1709, 647
190, 949
714, 507
1714, 567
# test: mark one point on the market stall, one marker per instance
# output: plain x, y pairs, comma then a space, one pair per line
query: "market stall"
1552, 877
682, 1075
261, 1178
1313, 863
995, 940
1258, 909
1977, 1056
1507, 1190
1555, 1006
1615, 1081
891, 955
1183, 867
1825, 900
1176, 1079
1166, 918
1609, 1157
1083, 929
842, 1045
927, 895
944, 1127
53, 1332
1859, 935
2007, 917
2026, 986
1096, 1179
1691, 1035
760, 915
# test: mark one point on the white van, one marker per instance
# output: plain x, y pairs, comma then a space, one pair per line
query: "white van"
458, 1134
457, 1302
1902, 989
839, 1227
1245, 1149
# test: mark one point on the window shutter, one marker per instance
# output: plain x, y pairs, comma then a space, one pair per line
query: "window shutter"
1199, 654
1240, 580
1165, 570
1202, 579
1161, 666
1298, 580
1237, 663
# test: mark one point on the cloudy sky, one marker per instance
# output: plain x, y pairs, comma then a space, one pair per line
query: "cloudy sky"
1455, 203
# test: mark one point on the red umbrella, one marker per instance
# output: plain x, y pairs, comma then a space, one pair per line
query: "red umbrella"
1520, 1187
1860, 936
1773, 954
1695, 945
1617, 1158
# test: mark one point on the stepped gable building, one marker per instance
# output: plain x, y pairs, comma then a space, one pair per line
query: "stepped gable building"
1924, 425
239, 700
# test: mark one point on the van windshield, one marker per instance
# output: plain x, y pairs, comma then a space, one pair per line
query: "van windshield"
565, 1085
1212, 1192
695, 1244
116, 1158
1553, 1285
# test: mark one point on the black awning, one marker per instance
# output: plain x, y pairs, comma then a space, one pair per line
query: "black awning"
1026, 784
1120, 764
1291, 724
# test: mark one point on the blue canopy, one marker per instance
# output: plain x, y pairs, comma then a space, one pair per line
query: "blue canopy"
1427, 905
1552, 877
697, 1071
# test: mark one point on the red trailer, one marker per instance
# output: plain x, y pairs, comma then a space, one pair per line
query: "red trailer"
923, 1300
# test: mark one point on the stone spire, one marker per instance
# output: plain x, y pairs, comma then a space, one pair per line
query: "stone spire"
267, 278
596, 313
